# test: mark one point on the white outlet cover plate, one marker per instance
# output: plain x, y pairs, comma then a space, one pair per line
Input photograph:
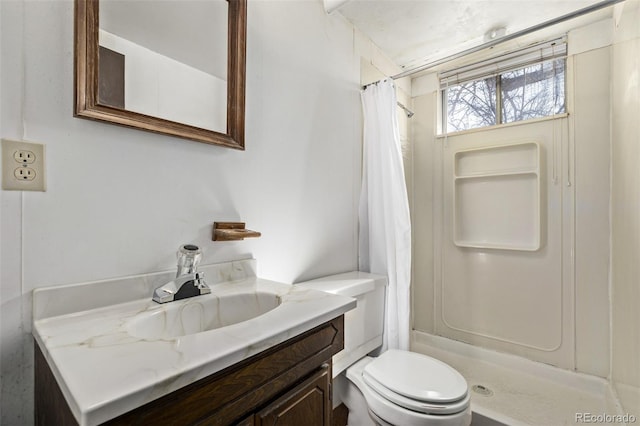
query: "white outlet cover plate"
9, 166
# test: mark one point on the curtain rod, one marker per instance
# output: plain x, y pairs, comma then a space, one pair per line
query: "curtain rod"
526, 31
495, 42
406, 110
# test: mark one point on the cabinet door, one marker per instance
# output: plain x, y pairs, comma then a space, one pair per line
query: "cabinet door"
307, 404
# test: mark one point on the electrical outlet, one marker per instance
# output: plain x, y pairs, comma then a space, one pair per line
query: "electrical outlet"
24, 157
23, 166
24, 173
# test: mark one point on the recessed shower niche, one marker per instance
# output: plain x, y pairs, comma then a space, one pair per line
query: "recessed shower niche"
497, 197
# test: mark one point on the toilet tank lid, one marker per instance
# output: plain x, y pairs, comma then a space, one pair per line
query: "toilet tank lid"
349, 284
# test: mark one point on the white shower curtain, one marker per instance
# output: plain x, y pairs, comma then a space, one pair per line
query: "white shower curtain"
385, 225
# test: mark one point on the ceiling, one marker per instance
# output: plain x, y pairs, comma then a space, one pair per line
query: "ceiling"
413, 32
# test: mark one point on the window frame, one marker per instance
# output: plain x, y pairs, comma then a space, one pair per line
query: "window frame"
445, 77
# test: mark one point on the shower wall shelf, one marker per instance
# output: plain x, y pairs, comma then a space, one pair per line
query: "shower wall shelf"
496, 196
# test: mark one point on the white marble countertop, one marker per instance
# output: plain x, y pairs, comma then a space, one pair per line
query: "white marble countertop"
104, 370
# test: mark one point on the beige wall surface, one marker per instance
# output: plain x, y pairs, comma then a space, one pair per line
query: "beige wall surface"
511, 299
591, 128
625, 209
422, 214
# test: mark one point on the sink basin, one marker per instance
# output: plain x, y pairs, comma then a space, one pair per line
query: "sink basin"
201, 313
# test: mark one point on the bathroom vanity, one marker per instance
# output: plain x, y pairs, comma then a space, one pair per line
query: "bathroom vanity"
287, 384
128, 363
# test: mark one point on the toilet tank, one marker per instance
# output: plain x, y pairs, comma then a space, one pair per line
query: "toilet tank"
363, 325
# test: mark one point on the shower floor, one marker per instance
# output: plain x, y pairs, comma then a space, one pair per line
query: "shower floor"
523, 392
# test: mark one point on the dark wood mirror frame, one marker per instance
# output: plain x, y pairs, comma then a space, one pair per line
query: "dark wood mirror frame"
86, 81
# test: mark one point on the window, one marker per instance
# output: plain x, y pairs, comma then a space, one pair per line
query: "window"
518, 86
471, 105
533, 92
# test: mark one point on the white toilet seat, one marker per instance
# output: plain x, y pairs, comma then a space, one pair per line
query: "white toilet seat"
417, 382
415, 405
391, 413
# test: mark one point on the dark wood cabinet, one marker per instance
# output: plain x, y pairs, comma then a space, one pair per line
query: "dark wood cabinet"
289, 384
307, 404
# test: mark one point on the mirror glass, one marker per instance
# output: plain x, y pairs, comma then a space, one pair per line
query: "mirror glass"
175, 67
166, 59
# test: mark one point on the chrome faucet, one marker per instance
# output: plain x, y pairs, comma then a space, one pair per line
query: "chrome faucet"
189, 282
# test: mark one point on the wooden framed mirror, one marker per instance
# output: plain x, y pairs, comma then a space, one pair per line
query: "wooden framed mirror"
99, 53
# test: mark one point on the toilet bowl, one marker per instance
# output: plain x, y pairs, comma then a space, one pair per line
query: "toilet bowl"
399, 388
409, 389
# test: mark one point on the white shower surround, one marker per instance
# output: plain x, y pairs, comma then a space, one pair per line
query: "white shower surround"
556, 312
602, 321
511, 295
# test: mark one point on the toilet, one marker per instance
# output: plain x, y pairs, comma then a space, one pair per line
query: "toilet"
394, 388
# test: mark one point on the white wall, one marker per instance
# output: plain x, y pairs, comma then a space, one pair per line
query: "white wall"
625, 202
568, 325
12, 337
120, 201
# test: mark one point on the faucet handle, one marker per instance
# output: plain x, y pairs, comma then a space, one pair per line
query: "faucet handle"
189, 256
